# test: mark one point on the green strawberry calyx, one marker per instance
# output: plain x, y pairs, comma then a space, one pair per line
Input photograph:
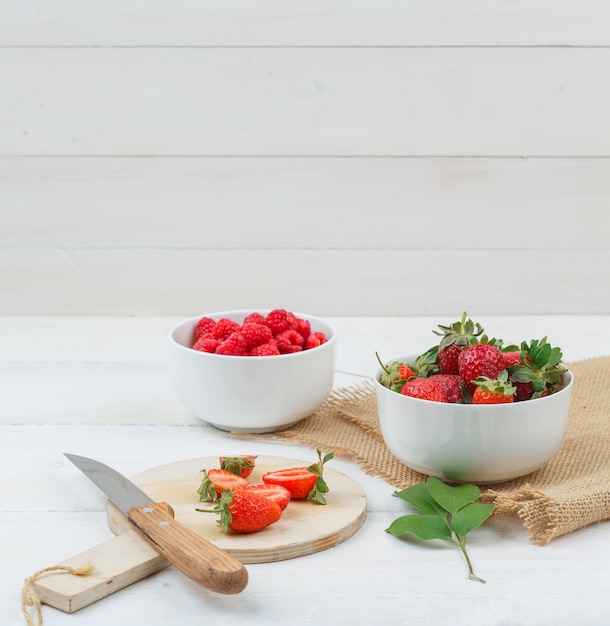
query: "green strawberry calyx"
540, 365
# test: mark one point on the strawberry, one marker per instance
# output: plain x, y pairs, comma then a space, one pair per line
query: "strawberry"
304, 483
245, 511
217, 481
450, 384
498, 391
455, 338
424, 389
299, 481
539, 372
395, 374
511, 358
480, 359
241, 465
277, 493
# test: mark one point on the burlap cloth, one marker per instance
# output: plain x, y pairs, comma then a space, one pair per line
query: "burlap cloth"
571, 491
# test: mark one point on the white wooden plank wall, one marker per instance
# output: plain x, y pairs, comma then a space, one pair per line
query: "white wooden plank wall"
371, 157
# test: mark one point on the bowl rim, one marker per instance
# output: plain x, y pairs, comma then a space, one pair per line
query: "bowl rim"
242, 313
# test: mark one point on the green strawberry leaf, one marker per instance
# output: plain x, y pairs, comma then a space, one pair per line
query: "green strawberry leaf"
452, 499
470, 517
419, 497
422, 526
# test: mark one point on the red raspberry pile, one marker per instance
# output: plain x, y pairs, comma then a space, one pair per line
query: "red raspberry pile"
278, 332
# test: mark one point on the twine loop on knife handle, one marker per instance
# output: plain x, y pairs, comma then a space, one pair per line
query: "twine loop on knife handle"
29, 598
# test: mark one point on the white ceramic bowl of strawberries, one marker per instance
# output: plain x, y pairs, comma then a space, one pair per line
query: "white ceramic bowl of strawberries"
263, 388
475, 443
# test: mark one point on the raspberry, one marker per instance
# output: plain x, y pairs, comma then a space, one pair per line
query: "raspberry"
234, 344
203, 327
303, 327
265, 349
224, 327
254, 318
207, 343
289, 341
255, 334
314, 340
279, 320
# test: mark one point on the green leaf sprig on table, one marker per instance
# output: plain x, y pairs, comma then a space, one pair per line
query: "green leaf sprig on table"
447, 512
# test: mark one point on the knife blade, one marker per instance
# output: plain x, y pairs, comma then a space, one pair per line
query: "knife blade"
194, 556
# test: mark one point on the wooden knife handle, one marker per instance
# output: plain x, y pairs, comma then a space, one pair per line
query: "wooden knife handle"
200, 560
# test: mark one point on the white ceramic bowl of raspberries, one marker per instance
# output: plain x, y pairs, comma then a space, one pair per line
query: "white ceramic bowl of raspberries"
473, 409
253, 371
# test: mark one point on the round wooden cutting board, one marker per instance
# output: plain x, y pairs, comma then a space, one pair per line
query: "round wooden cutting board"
304, 528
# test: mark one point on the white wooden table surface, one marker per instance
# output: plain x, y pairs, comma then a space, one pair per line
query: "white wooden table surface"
101, 387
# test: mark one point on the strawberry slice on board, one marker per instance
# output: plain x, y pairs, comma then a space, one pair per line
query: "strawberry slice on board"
241, 464
277, 493
299, 481
217, 481
245, 511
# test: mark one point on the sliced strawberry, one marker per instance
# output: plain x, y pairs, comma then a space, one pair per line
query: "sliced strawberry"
245, 511
277, 493
298, 480
216, 481
242, 464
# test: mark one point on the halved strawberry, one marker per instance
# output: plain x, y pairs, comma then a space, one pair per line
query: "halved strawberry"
277, 493
304, 483
245, 511
299, 481
242, 464
216, 481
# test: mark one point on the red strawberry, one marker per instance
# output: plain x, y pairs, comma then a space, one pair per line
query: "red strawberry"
277, 493
450, 384
481, 359
424, 389
241, 465
454, 339
498, 391
448, 359
216, 481
298, 480
315, 339
539, 372
245, 511
512, 358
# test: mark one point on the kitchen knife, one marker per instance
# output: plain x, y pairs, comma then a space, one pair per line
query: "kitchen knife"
200, 560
